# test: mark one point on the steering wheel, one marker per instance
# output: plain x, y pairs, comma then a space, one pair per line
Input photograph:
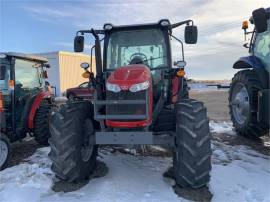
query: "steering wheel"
138, 58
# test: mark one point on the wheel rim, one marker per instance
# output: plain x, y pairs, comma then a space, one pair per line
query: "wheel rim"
87, 146
3, 152
240, 104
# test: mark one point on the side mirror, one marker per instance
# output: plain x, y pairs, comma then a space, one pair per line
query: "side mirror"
260, 17
191, 34
3, 72
79, 43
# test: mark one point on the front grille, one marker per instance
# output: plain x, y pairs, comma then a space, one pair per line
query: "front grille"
126, 109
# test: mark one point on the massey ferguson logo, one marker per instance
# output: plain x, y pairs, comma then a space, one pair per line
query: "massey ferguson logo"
124, 87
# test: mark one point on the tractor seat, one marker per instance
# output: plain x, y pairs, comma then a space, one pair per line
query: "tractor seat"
136, 60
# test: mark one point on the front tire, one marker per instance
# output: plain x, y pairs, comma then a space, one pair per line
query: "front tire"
73, 153
5, 151
192, 156
243, 104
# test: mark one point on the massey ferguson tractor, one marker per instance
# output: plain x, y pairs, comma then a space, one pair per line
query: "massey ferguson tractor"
25, 101
141, 98
249, 91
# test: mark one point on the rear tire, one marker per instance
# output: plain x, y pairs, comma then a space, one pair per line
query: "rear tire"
192, 157
41, 123
73, 153
5, 151
243, 104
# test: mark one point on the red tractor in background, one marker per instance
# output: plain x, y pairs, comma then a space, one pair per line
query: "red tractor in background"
141, 98
25, 101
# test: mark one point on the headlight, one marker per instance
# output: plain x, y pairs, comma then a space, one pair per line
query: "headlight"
139, 86
113, 87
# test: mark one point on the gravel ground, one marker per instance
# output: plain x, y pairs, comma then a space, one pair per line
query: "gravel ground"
216, 103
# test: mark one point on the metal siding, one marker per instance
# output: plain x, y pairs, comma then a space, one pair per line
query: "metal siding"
70, 70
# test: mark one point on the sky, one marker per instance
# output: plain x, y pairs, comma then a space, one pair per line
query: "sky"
47, 26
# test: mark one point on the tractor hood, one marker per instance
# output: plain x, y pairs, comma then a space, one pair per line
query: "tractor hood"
129, 75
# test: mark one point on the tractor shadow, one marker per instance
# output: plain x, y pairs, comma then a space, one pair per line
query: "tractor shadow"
62, 186
202, 194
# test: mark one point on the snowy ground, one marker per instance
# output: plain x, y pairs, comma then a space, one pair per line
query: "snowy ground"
238, 174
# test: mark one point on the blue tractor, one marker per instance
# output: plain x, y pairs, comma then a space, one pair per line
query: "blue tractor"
249, 90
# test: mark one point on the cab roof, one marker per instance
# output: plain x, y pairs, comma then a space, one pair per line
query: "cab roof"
137, 26
24, 56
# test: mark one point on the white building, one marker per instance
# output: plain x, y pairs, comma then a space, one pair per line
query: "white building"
65, 71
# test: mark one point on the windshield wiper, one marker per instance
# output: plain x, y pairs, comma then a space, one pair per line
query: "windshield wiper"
153, 58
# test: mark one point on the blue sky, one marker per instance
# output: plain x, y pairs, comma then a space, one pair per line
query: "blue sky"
45, 26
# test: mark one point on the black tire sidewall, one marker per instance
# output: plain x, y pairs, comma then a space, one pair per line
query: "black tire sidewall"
5, 140
251, 127
43, 136
85, 166
69, 122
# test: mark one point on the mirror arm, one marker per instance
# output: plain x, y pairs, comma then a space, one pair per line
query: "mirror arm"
99, 73
91, 57
181, 23
97, 52
182, 46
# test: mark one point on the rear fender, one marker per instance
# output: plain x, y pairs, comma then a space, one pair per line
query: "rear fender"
252, 62
36, 103
248, 62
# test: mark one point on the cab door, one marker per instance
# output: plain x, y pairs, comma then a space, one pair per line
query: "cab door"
5, 77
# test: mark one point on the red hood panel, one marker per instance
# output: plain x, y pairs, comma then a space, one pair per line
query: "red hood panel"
129, 75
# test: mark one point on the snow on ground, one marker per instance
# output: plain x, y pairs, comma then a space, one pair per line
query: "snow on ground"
221, 127
238, 174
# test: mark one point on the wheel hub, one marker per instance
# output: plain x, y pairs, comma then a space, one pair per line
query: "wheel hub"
3, 152
240, 104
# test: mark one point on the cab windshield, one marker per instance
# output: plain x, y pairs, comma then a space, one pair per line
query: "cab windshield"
137, 47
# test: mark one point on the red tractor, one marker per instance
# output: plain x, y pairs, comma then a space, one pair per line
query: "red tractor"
25, 101
141, 98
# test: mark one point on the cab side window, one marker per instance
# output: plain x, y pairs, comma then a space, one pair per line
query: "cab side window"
262, 46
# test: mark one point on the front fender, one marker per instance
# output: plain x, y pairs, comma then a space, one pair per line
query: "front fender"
248, 62
37, 101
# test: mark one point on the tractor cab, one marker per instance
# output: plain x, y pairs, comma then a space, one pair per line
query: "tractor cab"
22, 79
137, 69
132, 47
